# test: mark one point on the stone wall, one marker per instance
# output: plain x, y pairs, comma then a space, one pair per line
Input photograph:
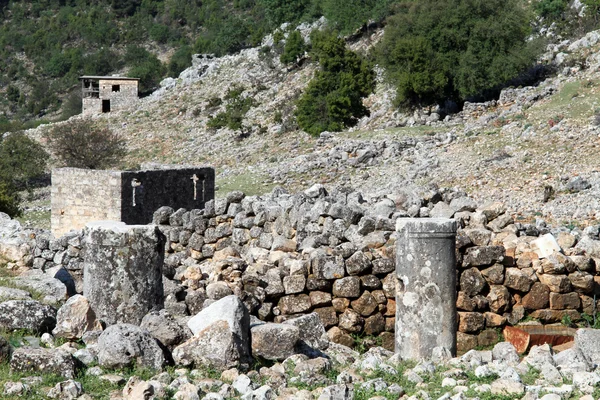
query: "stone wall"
80, 196
91, 105
334, 254
127, 92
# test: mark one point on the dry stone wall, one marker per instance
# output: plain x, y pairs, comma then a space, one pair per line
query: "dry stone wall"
333, 253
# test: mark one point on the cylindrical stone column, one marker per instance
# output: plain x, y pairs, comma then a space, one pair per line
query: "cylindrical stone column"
426, 288
122, 270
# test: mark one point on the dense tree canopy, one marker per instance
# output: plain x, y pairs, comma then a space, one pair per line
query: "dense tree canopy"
333, 99
454, 49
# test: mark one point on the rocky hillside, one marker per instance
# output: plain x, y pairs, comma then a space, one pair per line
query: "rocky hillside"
535, 148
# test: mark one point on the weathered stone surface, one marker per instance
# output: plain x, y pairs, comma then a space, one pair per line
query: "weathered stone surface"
13, 294
347, 287
53, 289
426, 298
551, 316
218, 290
126, 345
564, 301
374, 325
318, 298
545, 245
537, 298
493, 320
382, 266
74, 318
586, 340
351, 321
294, 304
483, 255
357, 263
465, 342
516, 279
235, 342
311, 330
338, 336
215, 346
505, 352
328, 267
556, 283
499, 299
164, 328
127, 259
494, 275
469, 322
27, 314
274, 341
582, 282
472, 282
66, 390
365, 305
327, 315
294, 284
479, 236
43, 361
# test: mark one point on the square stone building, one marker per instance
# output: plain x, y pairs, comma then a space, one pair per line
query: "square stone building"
102, 94
80, 196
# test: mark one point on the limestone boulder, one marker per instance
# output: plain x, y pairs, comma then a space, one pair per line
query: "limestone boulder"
30, 315
126, 345
483, 255
348, 287
472, 282
164, 328
294, 304
587, 341
537, 298
75, 318
274, 341
312, 332
43, 361
221, 336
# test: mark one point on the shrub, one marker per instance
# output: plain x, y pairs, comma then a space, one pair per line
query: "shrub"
180, 60
294, 48
81, 144
21, 160
434, 50
333, 98
552, 9
9, 201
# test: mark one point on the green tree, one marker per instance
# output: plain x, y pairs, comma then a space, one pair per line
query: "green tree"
280, 11
180, 60
552, 9
81, 144
146, 66
21, 160
592, 8
435, 50
333, 98
294, 47
9, 201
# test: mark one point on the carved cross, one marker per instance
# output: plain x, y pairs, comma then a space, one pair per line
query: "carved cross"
195, 179
134, 184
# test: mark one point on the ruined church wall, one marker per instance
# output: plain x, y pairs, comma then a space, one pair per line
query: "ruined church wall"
80, 196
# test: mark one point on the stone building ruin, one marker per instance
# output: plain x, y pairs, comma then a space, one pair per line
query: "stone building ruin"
80, 196
102, 94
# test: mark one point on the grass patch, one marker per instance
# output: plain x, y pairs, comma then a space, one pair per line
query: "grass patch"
249, 183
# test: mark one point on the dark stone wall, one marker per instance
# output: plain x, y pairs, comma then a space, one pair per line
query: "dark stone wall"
157, 188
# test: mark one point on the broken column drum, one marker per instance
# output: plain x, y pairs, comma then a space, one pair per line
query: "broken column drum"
426, 288
122, 271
